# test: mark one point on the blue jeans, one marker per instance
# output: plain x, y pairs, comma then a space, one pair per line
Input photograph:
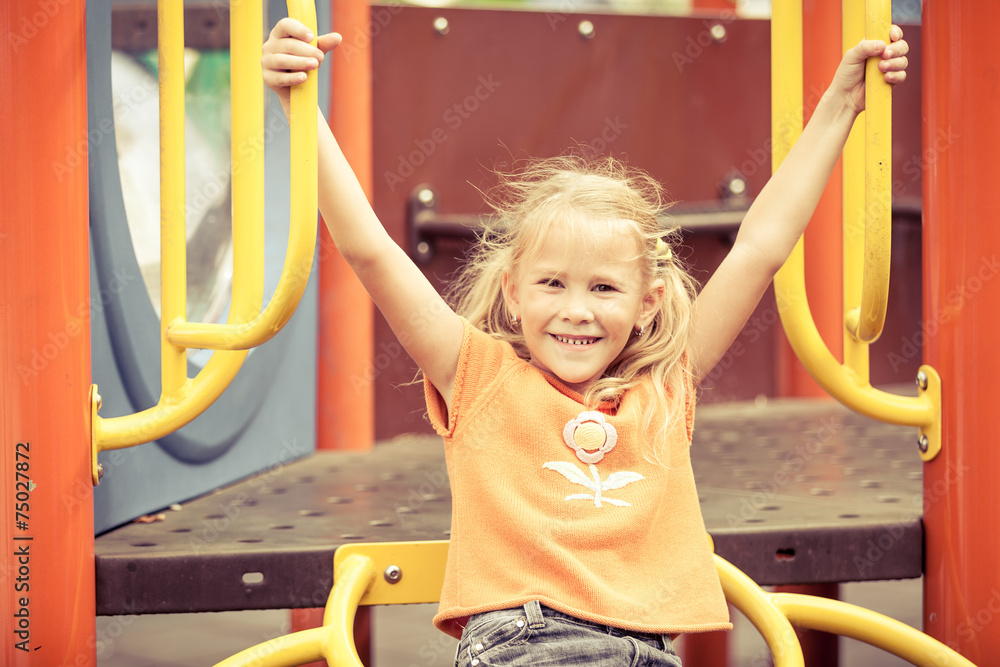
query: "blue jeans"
537, 635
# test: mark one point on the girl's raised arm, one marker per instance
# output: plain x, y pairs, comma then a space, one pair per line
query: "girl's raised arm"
779, 215
426, 327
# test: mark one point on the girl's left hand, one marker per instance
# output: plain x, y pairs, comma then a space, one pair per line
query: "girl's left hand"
850, 76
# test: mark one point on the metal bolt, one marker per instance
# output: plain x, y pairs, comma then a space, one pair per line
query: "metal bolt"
441, 26
393, 574
586, 29
737, 186
424, 248
923, 443
922, 380
718, 32
99, 401
426, 196
100, 470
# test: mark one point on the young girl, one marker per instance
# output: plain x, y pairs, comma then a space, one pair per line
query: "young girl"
563, 383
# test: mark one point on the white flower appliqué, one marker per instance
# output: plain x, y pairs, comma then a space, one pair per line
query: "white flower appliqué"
590, 436
615, 480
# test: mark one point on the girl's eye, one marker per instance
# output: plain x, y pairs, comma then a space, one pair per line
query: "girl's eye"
550, 282
604, 288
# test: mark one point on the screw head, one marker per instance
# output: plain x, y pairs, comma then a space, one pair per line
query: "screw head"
441, 26
393, 574
718, 32
100, 470
923, 443
737, 186
586, 29
426, 196
922, 380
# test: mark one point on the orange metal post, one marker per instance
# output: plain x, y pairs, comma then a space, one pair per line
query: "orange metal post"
961, 317
46, 502
346, 391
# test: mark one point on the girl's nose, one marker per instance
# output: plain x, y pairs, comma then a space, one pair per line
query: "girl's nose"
577, 310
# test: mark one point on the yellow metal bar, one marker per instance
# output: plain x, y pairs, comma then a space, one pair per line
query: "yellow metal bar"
183, 399
334, 642
866, 322
786, 79
353, 576
167, 416
302, 234
855, 351
173, 237
848, 383
285, 651
247, 112
841, 618
756, 605
420, 566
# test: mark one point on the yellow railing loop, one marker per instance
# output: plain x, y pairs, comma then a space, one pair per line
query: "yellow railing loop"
756, 605
183, 398
334, 642
775, 614
864, 300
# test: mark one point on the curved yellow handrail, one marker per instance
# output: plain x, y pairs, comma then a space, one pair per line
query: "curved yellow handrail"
848, 382
182, 398
355, 576
847, 620
334, 642
756, 605
774, 614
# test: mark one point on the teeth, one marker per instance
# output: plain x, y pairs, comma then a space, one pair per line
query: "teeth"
576, 341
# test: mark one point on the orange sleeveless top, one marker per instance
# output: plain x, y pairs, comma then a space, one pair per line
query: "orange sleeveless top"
556, 503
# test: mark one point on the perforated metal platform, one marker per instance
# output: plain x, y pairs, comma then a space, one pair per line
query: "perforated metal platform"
793, 492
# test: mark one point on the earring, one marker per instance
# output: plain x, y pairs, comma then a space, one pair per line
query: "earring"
513, 319
642, 330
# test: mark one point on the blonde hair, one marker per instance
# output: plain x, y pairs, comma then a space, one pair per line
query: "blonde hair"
581, 192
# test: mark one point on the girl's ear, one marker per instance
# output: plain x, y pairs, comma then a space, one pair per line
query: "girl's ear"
509, 292
651, 302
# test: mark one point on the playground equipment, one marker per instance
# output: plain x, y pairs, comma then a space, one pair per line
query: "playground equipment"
56, 620
405, 573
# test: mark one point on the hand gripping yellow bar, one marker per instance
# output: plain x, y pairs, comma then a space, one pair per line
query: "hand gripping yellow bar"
183, 398
848, 382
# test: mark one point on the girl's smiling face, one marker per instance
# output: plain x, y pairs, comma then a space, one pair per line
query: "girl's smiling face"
579, 300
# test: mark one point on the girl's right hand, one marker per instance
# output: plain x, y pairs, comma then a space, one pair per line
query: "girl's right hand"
289, 54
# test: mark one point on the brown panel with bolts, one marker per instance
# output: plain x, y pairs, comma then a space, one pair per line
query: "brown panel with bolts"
458, 92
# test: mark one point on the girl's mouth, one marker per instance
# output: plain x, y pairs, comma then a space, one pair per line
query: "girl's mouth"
575, 341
